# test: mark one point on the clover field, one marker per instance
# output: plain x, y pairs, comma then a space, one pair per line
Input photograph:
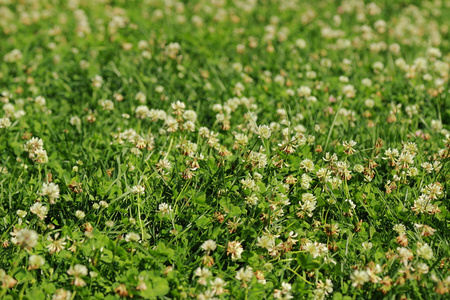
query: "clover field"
224, 149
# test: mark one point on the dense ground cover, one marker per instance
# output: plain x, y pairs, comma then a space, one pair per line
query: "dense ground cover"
224, 149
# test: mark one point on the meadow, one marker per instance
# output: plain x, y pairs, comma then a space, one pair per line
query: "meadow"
224, 149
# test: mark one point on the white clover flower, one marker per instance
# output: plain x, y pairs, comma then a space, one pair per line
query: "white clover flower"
132, 237
39, 210
80, 214
33, 144
352, 205
244, 274
308, 203
77, 271
62, 294
97, 81
425, 251
142, 112
257, 159
404, 255
427, 166
367, 245
235, 249
344, 79
218, 286
251, 200
358, 168
306, 182
209, 245
266, 242
75, 121
369, 103
304, 91
348, 147
56, 245
394, 48
423, 204
39, 100
300, 43
263, 131
172, 50
36, 261
422, 268
106, 104
140, 97
307, 165
366, 82
250, 184
203, 274
13, 56
84, 64
5, 122
316, 249
178, 106
138, 190
434, 52
359, 278
21, 213
349, 91
165, 209
25, 238
9, 108
40, 156
378, 65
436, 125
284, 293
190, 115
19, 114
51, 190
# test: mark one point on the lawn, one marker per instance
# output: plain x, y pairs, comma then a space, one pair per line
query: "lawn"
224, 149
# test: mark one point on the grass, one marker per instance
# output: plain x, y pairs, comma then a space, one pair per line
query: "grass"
224, 149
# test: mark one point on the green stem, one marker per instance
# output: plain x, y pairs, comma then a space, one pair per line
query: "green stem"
139, 216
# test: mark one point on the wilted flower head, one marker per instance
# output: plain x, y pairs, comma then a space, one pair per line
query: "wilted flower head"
425, 230
7, 281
